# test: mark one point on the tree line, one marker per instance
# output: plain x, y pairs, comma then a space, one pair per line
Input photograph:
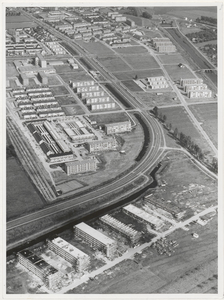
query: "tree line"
207, 20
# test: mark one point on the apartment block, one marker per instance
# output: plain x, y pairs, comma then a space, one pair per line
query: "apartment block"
118, 127
101, 145
76, 167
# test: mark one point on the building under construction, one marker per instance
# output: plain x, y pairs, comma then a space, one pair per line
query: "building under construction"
132, 234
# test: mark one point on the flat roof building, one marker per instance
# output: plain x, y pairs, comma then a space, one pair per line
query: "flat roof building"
186, 81
143, 216
96, 239
76, 167
118, 127
101, 145
73, 255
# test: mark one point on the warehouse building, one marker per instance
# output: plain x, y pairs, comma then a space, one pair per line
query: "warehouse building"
143, 216
96, 239
39, 267
73, 255
200, 94
76, 167
118, 127
101, 145
186, 81
133, 235
172, 209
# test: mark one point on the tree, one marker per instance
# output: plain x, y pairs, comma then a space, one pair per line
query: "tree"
155, 111
164, 118
176, 133
136, 77
146, 15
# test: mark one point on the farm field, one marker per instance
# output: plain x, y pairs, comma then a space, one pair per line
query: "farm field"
23, 197
113, 64
171, 59
152, 99
179, 119
60, 90
141, 62
193, 14
176, 73
75, 76
132, 86
208, 115
18, 22
140, 73
97, 48
151, 33
131, 50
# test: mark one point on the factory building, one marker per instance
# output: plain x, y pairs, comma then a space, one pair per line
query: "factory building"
118, 127
120, 227
101, 145
76, 167
39, 60
102, 106
42, 77
195, 87
39, 267
24, 79
143, 216
200, 94
95, 239
186, 81
170, 208
73, 255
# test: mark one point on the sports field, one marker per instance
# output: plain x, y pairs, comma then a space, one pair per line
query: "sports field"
141, 62
131, 50
113, 64
140, 74
176, 73
207, 114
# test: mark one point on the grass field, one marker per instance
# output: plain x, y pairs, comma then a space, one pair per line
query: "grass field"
11, 70
141, 62
113, 64
171, 59
13, 84
53, 80
151, 99
109, 118
21, 194
179, 119
65, 69
208, 115
72, 110
75, 76
96, 48
176, 73
60, 90
12, 25
151, 33
65, 100
193, 14
140, 73
131, 50
132, 86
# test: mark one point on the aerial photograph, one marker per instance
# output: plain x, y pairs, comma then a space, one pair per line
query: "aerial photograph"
111, 150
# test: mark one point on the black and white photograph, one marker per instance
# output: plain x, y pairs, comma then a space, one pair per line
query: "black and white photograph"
111, 140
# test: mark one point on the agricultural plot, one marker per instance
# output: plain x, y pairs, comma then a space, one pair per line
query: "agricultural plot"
18, 22
176, 73
140, 74
193, 14
96, 48
23, 197
207, 114
131, 50
171, 59
113, 64
141, 62
151, 34
132, 86
60, 90
179, 119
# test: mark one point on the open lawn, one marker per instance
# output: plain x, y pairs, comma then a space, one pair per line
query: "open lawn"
11, 70
65, 100
131, 50
140, 73
109, 118
132, 86
66, 68
141, 62
151, 33
97, 48
113, 64
72, 110
207, 114
18, 22
75, 76
60, 90
53, 80
179, 119
176, 73
13, 84
152, 99
21, 196
171, 59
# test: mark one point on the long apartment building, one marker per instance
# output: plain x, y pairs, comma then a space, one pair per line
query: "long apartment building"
195, 87
120, 227
93, 100
101, 145
103, 106
200, 94
186, 81
76, 167
164, 45
118, 127
143, 216
39, 267
96, 239
73, 255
